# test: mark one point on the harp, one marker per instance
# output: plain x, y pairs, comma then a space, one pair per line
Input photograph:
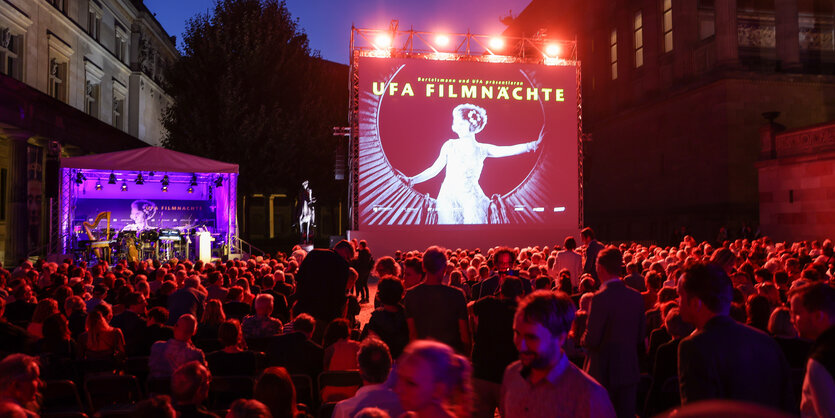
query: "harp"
95, 243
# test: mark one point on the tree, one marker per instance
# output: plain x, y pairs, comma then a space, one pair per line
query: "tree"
249, 90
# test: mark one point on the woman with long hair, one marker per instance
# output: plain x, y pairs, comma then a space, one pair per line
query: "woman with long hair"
433, 381
213, 316
461, 200
275, 389
101, 341
44, 309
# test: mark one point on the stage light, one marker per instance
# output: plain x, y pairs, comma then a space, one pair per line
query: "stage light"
79, 178
139, 180
98, 185
552, 50
442, 40
165, 180
165, 188
496, 43
382, 41
219, 181
150, 174
193, 180
190, 190
124, 186
112, 178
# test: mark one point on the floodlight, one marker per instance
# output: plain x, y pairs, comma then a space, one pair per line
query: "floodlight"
98, 185
552, 50
124, 186
382, 41
193, 180
496, 43
442, 40
112, 179
139, 180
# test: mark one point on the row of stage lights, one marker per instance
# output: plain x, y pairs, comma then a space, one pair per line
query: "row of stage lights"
80, 178
496, 43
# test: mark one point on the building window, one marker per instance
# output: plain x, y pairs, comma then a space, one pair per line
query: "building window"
119, 110
94, 21
59, 4
638, 38
10, 54
613, 53
91, 98
667, 24
58, 79
121, 46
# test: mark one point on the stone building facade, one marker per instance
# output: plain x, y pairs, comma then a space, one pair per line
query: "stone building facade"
673, 97
76, 77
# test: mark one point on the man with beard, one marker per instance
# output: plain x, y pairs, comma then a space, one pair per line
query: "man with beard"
544, 383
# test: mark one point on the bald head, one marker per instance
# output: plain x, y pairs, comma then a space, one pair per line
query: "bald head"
186, 327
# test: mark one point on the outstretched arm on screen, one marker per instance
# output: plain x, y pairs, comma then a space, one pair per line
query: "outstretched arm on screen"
432, 171
496, 151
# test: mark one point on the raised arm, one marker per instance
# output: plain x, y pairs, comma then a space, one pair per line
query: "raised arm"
433, 170
508, 150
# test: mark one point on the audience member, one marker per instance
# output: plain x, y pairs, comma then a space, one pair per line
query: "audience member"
664, 366
614, 331
340, 350
155, 406
434, 310
388, 322
248, 408
101, 341
188, 300
724, 359
167, 356
233, 359
321, 283
544, 382
813, 313
781, 328
570, 260
131, 322
593, 248
20, 383
262, 324
190, 388
374, 365
213, 316
275, 389
13, 339
45, 308
433, 381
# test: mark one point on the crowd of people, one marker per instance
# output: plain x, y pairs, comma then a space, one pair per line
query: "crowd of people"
592, 330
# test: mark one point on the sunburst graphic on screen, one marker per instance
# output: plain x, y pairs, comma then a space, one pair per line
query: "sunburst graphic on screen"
386, 200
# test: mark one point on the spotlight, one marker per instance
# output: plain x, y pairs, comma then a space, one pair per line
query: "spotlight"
98, 185
112, 178
165, 180
552, 50
219, 181
442, 40
211, 196
79, 178
193, 180
496, 43
165, 188
139, 180
382, 41
190, 190
124, 186
150, 174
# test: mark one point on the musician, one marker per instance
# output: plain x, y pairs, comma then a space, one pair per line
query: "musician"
141, 213
306, 201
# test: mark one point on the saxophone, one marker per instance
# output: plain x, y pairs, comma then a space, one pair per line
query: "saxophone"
89, 226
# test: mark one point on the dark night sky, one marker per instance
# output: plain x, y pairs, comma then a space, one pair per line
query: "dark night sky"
328, 22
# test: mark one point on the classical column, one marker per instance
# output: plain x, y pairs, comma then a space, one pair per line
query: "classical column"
685, 35
17, 221
727, 41
788, 30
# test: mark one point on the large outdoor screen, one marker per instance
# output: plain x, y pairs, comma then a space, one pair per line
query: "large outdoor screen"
449, 143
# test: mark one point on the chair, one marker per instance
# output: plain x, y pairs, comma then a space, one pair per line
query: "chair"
326, 410
337, 385
114, 392
208, 345
304, 389
258, 344
60, 397
223, 390
137, 366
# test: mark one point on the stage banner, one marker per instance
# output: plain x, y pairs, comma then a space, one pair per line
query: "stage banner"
140, 214
453, 143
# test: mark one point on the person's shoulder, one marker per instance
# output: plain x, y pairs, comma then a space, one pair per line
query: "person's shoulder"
515, 367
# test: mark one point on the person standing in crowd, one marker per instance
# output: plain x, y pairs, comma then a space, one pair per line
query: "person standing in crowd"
321, 283
593, 247
132, 323
724, 359
813, 314
569, 259
493, 346
437, 311
388, 322
374, 362
543, 382
188, 300
363, 264
614, 334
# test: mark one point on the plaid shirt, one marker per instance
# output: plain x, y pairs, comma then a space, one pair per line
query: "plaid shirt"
255, 326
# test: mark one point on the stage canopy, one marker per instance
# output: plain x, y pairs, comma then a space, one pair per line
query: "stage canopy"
148, 188
149, 159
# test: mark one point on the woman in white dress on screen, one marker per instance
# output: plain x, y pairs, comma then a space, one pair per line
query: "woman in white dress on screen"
461, 200
141, 212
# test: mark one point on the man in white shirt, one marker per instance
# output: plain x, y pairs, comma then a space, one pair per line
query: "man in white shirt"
568, 259
375, 363
813, 314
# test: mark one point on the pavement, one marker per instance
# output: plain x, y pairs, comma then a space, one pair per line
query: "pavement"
367, 308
